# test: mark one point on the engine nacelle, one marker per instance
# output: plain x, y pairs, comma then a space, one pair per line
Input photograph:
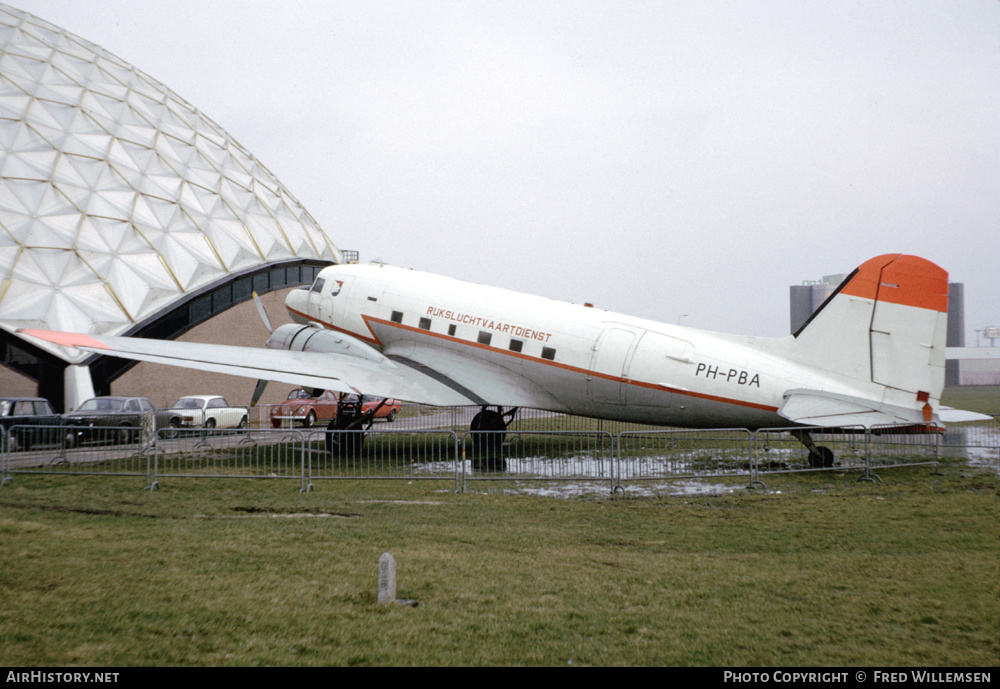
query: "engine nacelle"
306, 338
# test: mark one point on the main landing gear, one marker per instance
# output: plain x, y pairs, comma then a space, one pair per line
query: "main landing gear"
489, 429
819, 457
345, 434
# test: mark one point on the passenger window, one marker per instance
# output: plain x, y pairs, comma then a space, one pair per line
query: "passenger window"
515, 345
451, 329
485, 337
397, 316
425, 323
548, 353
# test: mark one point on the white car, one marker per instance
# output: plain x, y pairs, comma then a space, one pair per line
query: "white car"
203, 411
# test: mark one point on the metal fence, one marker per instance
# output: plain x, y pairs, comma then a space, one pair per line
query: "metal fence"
104, 450
434, 444
579, 456
674, 454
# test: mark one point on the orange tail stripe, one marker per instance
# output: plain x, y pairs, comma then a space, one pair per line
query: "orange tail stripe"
901, 279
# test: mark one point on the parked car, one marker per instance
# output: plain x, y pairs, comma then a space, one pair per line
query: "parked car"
28, 421
302, 408
109, 419
202, 411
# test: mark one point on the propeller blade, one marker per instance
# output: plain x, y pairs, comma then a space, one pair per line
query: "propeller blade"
257, 392
263, 314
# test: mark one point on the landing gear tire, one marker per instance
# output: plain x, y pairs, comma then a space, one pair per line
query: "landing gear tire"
488, 442
822, 458
344, 442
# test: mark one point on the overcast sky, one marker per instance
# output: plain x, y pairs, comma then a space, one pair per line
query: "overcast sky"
665, 159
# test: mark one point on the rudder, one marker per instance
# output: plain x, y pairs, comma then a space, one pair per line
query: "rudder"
886, 323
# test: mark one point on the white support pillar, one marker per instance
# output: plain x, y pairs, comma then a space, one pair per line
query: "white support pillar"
78, 386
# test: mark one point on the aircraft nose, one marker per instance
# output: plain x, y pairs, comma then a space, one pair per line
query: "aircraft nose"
297, 303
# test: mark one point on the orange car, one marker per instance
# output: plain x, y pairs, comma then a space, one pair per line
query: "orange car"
303, 409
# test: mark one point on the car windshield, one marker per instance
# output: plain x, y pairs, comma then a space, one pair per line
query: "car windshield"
98, 404
187, 403
299, 394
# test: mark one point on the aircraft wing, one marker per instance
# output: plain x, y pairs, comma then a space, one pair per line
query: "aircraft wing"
820, 408
482, 381
324, 370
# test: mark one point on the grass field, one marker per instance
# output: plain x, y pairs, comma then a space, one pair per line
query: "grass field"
817, 570
984, 399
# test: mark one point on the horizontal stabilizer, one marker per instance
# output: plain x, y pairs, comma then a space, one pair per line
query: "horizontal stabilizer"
819, 408
950, 415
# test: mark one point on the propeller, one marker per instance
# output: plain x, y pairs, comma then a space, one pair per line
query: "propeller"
258, 391
263, 312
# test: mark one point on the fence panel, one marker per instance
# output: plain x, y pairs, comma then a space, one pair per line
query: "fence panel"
235, 453
382, 453
537, 456
72, 449
978, 442
675, 454
779, 450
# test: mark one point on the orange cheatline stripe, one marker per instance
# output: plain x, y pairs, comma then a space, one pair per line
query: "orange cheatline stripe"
518, 355
901, 279
65, 339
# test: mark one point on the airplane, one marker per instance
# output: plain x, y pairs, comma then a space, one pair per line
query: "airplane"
873, 354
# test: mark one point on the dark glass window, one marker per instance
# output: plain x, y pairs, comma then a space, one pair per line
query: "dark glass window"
485, 337
515, 345
451, 329
548, 353
425, 323
397, 316
317, 286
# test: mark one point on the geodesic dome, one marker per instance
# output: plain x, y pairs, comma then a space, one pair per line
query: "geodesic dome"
118, 199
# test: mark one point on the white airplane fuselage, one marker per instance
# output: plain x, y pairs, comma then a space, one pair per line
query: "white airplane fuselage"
533, 351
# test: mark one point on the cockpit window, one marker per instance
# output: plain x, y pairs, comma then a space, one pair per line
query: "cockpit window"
317, 286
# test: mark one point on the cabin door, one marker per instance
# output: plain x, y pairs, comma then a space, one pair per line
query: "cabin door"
609, 366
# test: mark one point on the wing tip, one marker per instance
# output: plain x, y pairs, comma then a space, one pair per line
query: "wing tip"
75, 340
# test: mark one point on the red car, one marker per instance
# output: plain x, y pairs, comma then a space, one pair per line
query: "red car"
303, 409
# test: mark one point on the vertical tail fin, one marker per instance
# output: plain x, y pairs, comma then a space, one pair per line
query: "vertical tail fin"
885, 324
